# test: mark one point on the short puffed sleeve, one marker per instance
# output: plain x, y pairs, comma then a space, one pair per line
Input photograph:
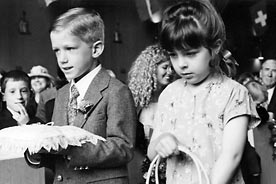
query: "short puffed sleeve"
241, 103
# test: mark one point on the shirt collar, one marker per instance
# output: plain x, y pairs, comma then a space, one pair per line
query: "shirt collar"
270, 93
83, 84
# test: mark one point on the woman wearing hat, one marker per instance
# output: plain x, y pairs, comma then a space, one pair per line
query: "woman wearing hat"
40, 80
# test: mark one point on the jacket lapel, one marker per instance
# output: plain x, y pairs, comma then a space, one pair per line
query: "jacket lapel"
60, 117
93, 96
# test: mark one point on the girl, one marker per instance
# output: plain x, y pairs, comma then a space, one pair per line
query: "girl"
149, 74
205, 111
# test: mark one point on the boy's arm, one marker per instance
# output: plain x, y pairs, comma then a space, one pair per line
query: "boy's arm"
234, 138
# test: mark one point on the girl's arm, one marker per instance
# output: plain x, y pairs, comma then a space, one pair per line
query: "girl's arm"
164, 145
234, 137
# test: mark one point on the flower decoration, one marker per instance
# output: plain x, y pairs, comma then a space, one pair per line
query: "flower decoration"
272, 127
84, 106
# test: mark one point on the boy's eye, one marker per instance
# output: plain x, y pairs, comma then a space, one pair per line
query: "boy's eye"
70, 48
24, 90
55, 50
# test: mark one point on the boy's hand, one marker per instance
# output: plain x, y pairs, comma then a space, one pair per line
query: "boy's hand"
23, 115
167, 145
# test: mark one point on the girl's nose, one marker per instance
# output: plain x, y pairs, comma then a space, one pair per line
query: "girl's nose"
182, 63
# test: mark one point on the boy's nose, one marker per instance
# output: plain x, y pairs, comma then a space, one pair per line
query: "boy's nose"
62, 57
18, 94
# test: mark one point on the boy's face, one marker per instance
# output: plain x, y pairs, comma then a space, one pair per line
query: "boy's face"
74, 56
16, 94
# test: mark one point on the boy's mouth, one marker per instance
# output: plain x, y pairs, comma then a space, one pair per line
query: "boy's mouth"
67, 68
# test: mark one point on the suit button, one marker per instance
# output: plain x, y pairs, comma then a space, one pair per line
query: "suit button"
69, 157
59, 177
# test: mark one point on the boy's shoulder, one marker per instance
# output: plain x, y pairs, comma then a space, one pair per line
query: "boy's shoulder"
102, 80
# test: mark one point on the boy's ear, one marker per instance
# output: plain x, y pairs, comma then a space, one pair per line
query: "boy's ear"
97, 49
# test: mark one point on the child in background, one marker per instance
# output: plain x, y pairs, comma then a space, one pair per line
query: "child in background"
204, 110
16, 90
93, 100
251, 161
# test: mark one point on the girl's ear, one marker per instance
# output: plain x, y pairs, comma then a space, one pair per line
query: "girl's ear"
218, 46
97, 49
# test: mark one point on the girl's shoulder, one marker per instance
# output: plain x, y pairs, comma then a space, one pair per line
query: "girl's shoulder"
174, 87
230, 83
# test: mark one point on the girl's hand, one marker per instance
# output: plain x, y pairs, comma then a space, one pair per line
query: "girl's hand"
167, 145
23, 115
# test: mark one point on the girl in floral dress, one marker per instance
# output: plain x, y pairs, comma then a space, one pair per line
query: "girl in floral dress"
204, 110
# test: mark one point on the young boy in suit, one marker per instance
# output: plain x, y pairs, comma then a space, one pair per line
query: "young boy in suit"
104, 105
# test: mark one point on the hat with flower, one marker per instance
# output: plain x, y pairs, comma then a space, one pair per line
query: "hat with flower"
39, 71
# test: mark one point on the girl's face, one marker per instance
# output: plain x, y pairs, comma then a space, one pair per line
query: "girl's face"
164, 73
16, 93
38, 84
74, 56
192, 65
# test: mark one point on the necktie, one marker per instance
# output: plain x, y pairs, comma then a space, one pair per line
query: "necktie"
72, 106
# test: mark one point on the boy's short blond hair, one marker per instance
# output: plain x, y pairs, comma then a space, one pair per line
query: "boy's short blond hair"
84, 23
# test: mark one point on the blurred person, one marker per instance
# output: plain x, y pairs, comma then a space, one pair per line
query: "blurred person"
40, 80
149, 74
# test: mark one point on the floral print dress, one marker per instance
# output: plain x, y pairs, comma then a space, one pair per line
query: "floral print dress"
198, 120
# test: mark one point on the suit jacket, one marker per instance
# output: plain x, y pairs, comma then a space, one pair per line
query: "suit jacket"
111, 114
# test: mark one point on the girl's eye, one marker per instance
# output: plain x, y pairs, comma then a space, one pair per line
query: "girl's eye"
192, 53
172, 54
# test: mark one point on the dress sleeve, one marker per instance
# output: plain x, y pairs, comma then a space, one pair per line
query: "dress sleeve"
240, 103
163, 115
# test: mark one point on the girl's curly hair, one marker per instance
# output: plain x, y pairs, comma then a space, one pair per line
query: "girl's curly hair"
142, 76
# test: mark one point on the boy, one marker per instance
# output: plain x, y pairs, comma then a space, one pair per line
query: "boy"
16, 90
104, 105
